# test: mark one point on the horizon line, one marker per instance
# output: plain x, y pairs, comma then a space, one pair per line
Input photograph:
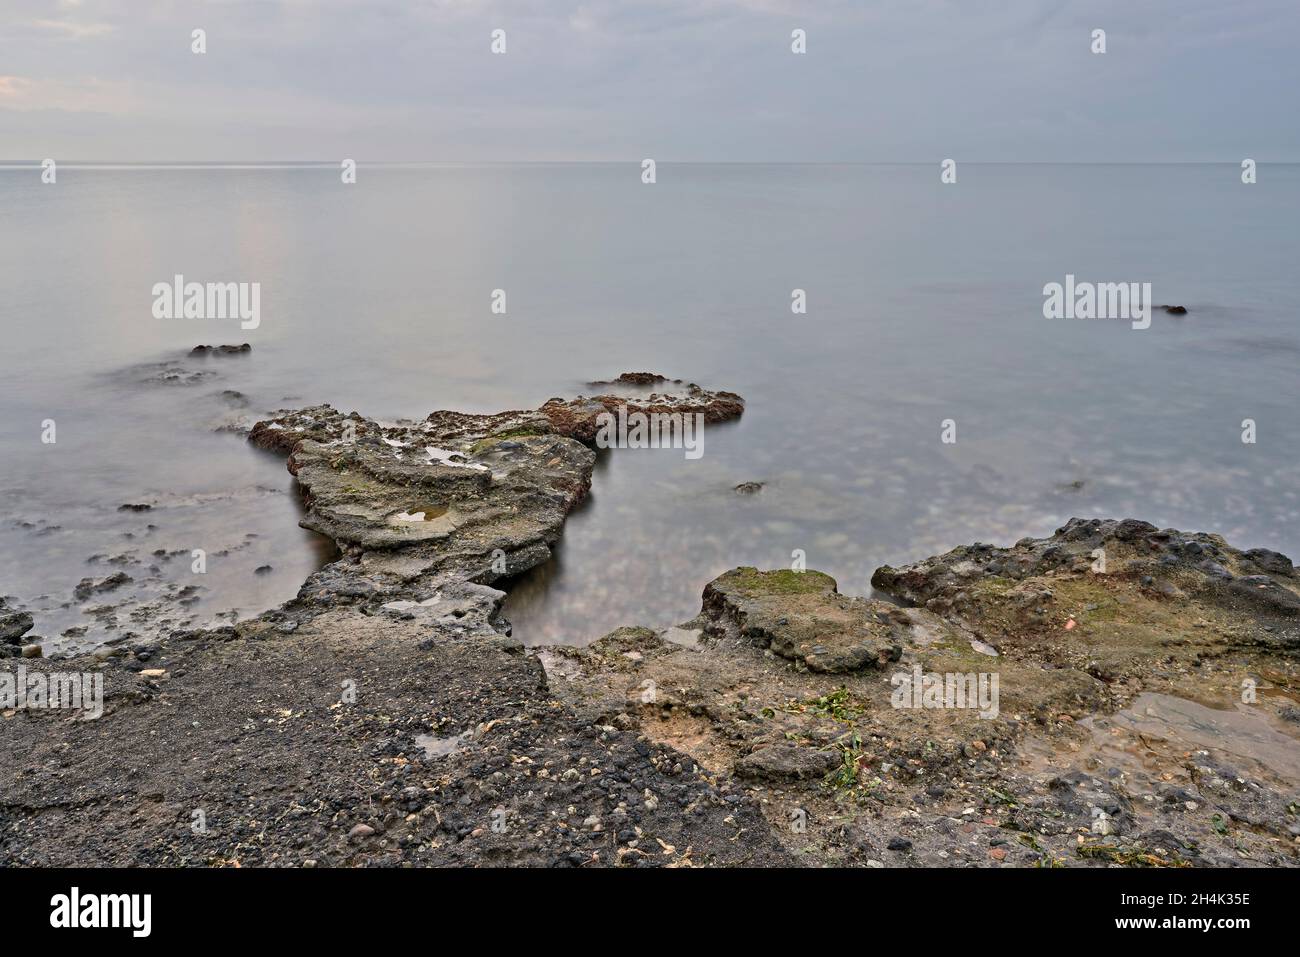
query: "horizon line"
108, 164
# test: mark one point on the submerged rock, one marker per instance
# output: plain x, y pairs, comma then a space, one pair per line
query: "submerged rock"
171, 373
88, 586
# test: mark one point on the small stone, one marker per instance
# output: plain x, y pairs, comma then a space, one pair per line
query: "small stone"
360, 831
785, 760
1104, 826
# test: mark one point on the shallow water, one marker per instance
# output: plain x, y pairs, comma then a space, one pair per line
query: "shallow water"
1242, 733
1151, 740
925, 303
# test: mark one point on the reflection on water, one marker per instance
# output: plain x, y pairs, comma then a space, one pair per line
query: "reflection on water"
924, 304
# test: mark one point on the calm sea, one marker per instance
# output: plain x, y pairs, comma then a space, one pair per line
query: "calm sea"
924, 304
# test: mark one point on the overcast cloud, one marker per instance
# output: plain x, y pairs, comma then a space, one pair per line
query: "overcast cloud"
1013, 80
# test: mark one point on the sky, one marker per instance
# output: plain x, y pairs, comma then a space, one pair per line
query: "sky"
676, 80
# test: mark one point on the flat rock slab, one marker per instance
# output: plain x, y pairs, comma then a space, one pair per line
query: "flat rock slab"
802, 617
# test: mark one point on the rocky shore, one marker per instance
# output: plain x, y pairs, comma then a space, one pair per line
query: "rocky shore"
1146, 711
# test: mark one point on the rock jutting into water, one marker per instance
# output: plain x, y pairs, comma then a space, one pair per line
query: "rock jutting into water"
14, 625
1114, 693
456, 501
635, 378
225, 350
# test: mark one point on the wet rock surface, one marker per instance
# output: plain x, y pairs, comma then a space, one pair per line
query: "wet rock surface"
802, 617
14, 624
417, 505
387, 717
1140, 718
88, 586
301, 737
579, 417
223, 350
